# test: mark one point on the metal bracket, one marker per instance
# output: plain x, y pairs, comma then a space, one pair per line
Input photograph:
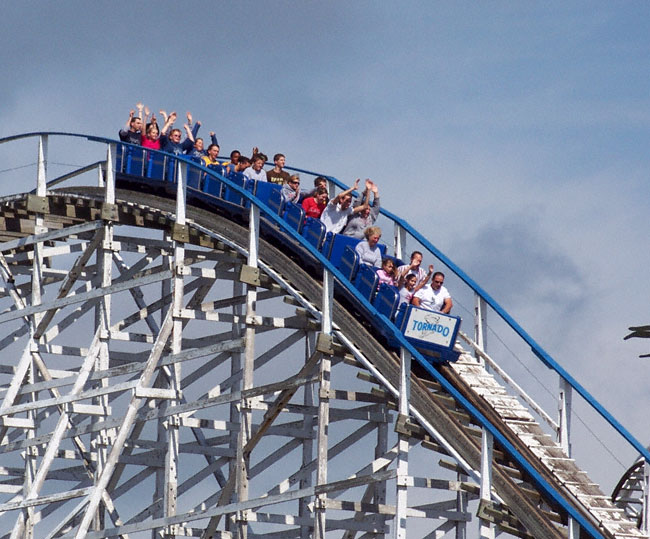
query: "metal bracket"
38, 204
250, 275
181, 233
325, 344
109, 212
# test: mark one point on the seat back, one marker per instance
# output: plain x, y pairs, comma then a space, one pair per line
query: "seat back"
314, 231
230, 195
120, 157
386, 300
366, 281
399, 315
194, 175
135, 162
398, 262
294, 215
275, 201
264, 191
212, 186
348, 263
156, 166
337, 244
170, 170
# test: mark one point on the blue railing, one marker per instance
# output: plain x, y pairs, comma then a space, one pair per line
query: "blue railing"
388, 327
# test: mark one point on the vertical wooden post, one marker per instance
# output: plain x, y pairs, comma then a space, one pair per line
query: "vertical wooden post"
400, 241
246, 414
487, 445
308, 442
172, 454
564, 419
401, 497
480, 325
323, 407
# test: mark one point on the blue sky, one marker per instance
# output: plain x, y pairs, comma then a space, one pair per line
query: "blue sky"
513, 134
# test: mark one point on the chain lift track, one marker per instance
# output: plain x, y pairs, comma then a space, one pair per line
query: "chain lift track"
168, 372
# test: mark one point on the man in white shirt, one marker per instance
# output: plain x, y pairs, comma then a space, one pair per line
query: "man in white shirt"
414, 268
335, 215
434, 297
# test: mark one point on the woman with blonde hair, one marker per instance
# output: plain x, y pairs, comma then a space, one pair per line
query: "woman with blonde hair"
368, 249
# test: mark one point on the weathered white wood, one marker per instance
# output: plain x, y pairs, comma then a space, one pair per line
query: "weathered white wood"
322, 433
486, 531
401, 495
86, 296
42, 236
144, 381
480, 325
565, 413
645, 507
328, 299
399, 238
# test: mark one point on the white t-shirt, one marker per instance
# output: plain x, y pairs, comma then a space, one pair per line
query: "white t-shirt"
251, 174
334, 217
405, 296
420, 274
431, 299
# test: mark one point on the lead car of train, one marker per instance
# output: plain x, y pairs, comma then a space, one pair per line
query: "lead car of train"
210, 187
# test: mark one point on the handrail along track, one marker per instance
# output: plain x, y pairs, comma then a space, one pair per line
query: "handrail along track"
387, 327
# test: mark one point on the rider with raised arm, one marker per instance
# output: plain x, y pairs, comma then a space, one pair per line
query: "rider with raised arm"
338, 210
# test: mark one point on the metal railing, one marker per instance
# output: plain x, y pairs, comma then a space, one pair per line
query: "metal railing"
403, 233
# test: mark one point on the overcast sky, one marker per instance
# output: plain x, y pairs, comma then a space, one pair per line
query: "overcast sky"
513, 134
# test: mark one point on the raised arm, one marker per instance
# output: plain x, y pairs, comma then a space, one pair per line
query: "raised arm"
168, 123
188, 133
342, 194
195, 127
145, 119
425, 280
360, 208
213, 138
374, 209
366, 192
140, 108
128, 122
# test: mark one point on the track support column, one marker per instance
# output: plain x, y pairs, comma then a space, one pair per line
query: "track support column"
564, 435
308, 442
37, 278
172, 455
564, 412
487, 445
246, 414
480, 326
400, 241
102, 441
323, 404
645, 526
401, 496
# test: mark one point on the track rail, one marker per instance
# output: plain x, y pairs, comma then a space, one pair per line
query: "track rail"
437, 409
